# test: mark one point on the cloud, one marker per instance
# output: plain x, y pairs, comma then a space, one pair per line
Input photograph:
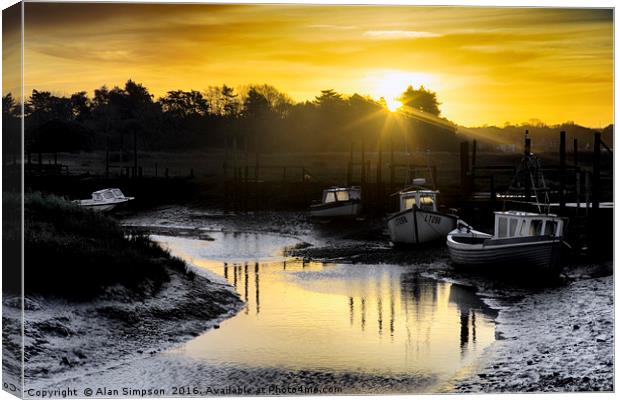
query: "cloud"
334, 27
400, 34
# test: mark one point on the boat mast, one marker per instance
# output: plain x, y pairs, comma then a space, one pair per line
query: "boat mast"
529, 178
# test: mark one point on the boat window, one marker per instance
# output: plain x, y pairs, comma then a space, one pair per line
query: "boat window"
512, 227
342, 195
108, 195
502, 227
536, 227
523, 231
409, 203
355, 194
427, 202
97, 196
330, 197
550, 227
117, 193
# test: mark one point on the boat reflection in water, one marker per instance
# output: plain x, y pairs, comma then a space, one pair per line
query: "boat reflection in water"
380, 319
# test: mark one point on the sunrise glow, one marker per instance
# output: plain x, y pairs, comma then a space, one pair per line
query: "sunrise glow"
487, 65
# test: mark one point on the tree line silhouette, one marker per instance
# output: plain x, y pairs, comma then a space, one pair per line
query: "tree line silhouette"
253, 118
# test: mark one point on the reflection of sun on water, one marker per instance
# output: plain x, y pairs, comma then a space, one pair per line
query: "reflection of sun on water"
333, 317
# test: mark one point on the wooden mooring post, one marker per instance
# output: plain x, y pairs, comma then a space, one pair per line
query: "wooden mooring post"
391, 164
562, 172
465, 176
474, 147
350, 165
363, 163
596, 173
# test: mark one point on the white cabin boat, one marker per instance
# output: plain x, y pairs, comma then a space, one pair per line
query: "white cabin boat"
418, 220
338, 202
522, 238
104, 200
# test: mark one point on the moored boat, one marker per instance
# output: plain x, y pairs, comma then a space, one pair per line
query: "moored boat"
519, 238
338, 202
418, 220
104, 200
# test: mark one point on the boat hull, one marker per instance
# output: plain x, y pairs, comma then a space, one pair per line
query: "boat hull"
342, 209
536, 251
416, 226
100, 207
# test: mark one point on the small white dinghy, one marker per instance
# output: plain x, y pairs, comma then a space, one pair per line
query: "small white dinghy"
104, 200
418, 220
522, 238
338, 202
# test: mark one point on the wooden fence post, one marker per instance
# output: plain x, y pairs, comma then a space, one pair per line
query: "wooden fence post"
562, 171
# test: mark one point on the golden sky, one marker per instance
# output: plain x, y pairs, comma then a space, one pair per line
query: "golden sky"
487, 65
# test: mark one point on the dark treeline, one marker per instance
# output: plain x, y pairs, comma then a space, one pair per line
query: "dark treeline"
544, 137
257, 117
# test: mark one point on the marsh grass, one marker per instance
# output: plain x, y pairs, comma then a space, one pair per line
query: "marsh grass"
77, 254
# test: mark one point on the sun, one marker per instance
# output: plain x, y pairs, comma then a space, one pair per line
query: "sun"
393, 105
390, 84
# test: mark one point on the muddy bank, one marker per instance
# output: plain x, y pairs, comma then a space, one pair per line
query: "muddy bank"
560, 339
67, 339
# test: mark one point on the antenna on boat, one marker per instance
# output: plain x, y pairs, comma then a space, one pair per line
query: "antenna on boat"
529, 178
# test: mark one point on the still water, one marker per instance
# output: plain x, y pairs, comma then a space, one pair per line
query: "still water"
369, 319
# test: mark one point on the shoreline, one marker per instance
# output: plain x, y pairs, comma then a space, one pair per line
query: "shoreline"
65, 340
515, 362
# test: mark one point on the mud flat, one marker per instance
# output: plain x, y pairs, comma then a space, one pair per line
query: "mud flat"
560, 339
65, 339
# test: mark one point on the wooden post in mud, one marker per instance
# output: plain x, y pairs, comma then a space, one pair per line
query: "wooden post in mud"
350, 165
575, 153
473, 156
434, 176
379, 190
465, 186
577, 176
379, 163
363, 163
107, 157
391, 164
596, 173
562, 171
593, 216
245, 189
135, 152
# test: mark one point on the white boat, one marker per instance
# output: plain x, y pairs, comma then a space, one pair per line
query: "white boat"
104, 200
338, 202
521, 238
418, 220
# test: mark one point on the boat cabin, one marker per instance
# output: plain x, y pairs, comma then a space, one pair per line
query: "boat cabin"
509, 224
422, 199
335, 194
107, 194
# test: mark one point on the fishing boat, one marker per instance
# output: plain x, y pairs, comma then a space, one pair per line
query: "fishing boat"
338, 202
519, 238
104, 200
418, 220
